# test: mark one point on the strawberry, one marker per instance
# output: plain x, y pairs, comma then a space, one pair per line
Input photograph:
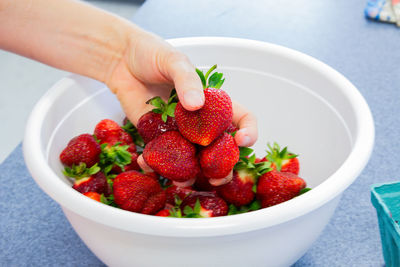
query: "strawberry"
203, 204
118, 149
163, 213
172, 156
218, 159
109, 132
93, 195
207, 123
240, 191
159, 120
202, 183
94, 183
173, 192
137, 192
117, 158
282, 160
231, 128
81, 149
275, 187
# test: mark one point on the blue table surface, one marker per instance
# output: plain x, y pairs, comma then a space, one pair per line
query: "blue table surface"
33, 228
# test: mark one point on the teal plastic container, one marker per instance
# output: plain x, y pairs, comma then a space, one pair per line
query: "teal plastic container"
386, 199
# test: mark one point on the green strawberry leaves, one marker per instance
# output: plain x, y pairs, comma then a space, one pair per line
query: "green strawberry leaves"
277, 156
133, 132
214, 81
108, 200
247, 161
304, 190
164, 108
193, 212
114, 155
81, 171
255, 205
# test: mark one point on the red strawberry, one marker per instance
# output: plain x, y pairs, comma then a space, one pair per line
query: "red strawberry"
174, 192
275, 187
204, 204
218, 159
204, 125
172, 156
163, 213
108, 131
81, 149
118, 150
202, 183
159, 120
94, 183
93, 195
231, 128
240, 191
282, 160
138, 192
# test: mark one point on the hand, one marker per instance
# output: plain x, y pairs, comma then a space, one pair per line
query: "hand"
151, 67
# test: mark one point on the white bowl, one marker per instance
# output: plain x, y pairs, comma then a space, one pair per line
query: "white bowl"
299, 101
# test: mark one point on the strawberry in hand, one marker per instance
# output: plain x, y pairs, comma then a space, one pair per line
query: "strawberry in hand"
159, 120
202, 126
173, 157
218, 159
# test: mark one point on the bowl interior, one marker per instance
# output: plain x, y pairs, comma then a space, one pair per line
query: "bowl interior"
291, 112
299, 102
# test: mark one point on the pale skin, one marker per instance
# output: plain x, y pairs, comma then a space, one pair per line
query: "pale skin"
136, 65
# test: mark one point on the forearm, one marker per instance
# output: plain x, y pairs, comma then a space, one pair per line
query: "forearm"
65, 34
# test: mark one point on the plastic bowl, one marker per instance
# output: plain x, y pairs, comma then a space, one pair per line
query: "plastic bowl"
299, 101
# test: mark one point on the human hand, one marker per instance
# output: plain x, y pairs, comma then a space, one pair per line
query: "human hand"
151, 67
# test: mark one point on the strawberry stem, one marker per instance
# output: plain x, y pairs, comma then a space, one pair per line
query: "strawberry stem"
209, 71
165, 109
213, 81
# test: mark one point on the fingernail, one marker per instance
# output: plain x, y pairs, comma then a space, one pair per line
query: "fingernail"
194, 99
246, 140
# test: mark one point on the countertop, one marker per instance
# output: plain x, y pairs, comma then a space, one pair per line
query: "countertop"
33, 228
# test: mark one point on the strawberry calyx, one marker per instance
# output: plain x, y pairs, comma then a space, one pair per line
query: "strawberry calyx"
194, 212
255, 205
164, 108
304, 190
109, 200
133, 132
247, 162
114, 155
214, 81
277, 156
81, 171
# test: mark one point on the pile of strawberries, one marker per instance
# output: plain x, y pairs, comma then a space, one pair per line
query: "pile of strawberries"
190, 153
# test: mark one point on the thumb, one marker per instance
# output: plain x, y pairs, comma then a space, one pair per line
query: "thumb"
187, 83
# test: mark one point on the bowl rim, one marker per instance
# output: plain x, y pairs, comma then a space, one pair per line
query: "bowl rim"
332, 187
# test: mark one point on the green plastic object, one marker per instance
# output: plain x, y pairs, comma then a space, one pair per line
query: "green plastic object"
386, 199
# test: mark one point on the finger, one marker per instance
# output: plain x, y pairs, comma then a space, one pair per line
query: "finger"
247, 124
225, 180
185, 184
143, 165
187, 83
